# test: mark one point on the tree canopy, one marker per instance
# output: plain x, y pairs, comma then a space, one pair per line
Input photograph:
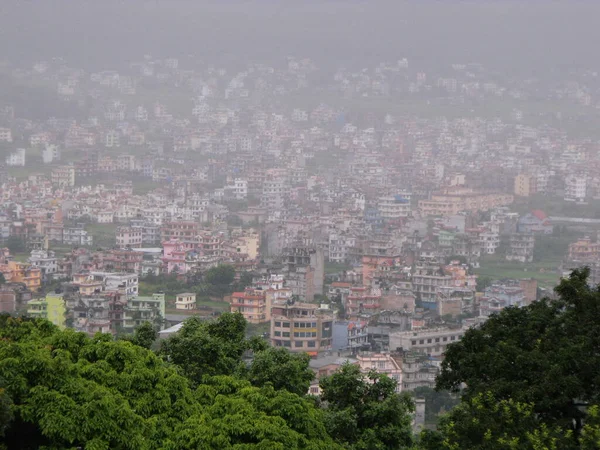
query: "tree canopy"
540, 360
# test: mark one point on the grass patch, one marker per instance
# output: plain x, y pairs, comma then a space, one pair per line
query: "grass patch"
333, 267
547, 277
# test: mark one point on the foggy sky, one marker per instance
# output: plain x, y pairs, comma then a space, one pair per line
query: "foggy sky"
505, 35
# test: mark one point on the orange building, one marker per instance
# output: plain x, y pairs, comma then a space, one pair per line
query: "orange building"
18, 272
252, 304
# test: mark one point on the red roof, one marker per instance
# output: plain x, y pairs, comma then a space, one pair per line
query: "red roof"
539, 214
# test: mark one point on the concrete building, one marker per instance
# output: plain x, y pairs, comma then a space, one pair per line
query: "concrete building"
144, 309
63, 176
429, 341
252, 304
382, 363
520, 247
525, 185
301, 327
304, 270
185, 301
52, 308
16, 158
575, 188
129, 237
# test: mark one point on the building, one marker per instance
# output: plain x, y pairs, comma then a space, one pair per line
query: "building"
428, 341
455, 301
5, 135
185, 301
575, 188
16, 158
426, 280
131, 237
535, 222
52, 308
499, 296
520, 247
63, 176
304, 270
525, 185
418, 370
393, 207
358, 334
363, 302
382, 363
144, 309
301, 327
252, 304
454, 200
584, 251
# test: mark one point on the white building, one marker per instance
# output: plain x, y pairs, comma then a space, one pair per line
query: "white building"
50, 154
16, 158
575, 188
112, 139
432, 341
5, 135
393, 207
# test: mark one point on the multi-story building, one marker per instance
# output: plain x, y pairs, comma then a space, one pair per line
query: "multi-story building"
144, 309
301, 327
525, 185
76, 236
455, 301
363, 302
393, 207
417, 371
575, 188
63, 176
129, 237
382, 363
430, 341
185, 301
426, 280
304, 270
252, 304
584, 251
16, 158
52, 308
499, 296
454, 200
520, 247
358, 334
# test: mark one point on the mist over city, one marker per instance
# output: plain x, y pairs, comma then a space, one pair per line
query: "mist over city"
317, 224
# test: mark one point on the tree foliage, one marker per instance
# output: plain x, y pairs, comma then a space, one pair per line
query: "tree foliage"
364, 411
64, 389
544, 357
281, 369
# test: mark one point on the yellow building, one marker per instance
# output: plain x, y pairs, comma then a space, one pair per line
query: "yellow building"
248, 245
51, 308
454, 200
18, 272
525, 185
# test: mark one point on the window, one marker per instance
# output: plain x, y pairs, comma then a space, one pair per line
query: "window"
429, 341
285, 334
381, 365
452, 338
421, 341
287, 344
277, 333
286, 324
278, 324
312, 344
298, 344
414, 342
437, 339
445, 339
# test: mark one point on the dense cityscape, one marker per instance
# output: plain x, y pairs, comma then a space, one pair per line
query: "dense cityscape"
282, 253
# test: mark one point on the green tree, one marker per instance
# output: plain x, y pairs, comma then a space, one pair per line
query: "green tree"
65, 390
282, 369
207, 348
220, 275
364, 411
484, 422
144, 335
15, 244
545, 355
436, 402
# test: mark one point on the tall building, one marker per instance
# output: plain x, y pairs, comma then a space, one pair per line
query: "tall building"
301, 327
525, 185
52, 308
304, 271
